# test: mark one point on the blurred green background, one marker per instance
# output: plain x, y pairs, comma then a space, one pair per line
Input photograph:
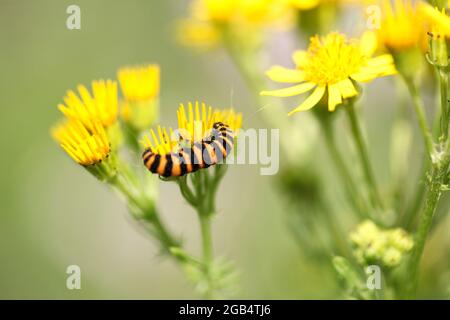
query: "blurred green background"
53, 214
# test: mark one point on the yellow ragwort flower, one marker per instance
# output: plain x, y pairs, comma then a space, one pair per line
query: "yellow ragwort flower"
244, 18
330, 66
405, 24
102, 105
311, 4
140, 83
304, 4
162, 141
87, 145
243, 11
401, 26
438, 21
197, 121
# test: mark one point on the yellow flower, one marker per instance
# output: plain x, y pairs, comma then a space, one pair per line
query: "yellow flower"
438, 20
140, 83
330, 66
304, 4
197, 121
140, 88
194, 124
402, 26
243, 18
87, 145
160, 141
197, 34
311, 4
406, 24
102, 105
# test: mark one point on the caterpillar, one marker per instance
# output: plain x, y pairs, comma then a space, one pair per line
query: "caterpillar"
198, 155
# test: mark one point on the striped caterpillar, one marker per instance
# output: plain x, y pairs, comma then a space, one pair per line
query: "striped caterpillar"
199, 155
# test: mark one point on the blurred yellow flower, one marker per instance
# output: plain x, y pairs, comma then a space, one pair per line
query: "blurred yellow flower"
439, 21
329, 66
402, 27
140, 82
87, 145
209, 19
102, 105
140, 87
310, 4
405, 24
304, 4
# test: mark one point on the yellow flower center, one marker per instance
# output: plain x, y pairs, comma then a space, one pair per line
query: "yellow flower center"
331, 59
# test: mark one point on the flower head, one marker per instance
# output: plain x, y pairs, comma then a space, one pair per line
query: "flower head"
209, 19
162, 141
304, 4
85, 145
140, 88
330, 66
139, 83
374, 245
101, 105
402, 26
196, 122
405, 24
202, 140
438, 21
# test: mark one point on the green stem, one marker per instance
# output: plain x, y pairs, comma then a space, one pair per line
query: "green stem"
205, 226
437, 180
147, 212
443, 80
342, 169
420, 113
364, 156
408, 220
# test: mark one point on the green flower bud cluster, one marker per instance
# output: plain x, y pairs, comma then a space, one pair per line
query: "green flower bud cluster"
373, 245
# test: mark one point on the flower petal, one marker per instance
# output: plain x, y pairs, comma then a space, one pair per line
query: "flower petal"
290, 91
376, 67
384, 59
311, 101
300, 57
347, 88
334, 97
368, 43
282, 74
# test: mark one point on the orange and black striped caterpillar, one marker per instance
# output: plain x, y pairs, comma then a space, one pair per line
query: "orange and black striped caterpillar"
198, 155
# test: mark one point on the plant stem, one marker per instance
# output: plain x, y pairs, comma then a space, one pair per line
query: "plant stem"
205, 226
437, 180
443, 80
364, 156
147, 212
420, 113
341, 167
